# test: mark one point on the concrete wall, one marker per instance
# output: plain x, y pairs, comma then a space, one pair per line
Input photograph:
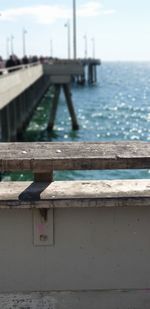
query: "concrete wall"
74, 244
58, 69
99, 249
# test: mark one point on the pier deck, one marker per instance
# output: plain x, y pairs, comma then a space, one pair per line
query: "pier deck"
20, 92
22, 87
12, 85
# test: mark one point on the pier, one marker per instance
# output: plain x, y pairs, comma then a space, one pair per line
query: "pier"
22, 88
20, 92
90, 65
74, 244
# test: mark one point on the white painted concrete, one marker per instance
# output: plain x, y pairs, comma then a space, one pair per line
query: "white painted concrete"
14, 83
94, 249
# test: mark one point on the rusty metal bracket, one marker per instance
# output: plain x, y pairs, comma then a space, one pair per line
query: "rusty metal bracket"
43, 227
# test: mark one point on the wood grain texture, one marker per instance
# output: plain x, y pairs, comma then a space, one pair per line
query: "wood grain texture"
41, 157
78, 194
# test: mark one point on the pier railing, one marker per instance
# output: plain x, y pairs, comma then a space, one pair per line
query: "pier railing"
42, 159
8, 70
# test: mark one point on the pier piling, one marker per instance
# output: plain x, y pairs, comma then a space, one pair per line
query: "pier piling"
44, 177
67, 92
68, 96
54, 107
91, 74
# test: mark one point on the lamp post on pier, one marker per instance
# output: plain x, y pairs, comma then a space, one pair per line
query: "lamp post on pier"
74, 31
68, 37
51, 48
12, 44
85, 46
24, 32
7, 48
93, 47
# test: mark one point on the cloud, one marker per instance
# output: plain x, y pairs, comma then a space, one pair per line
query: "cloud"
92, 8
109, 12
46, 14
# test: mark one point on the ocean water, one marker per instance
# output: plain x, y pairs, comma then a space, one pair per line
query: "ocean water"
117, 108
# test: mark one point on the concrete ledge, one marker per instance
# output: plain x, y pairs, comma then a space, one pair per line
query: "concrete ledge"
125, 299
75, 194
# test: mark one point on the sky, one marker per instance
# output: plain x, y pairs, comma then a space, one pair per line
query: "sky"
118, 29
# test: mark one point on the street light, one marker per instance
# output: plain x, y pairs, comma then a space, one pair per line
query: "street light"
7, 48
85, 46
51, 48
12, 44
74, 31
24, 32
93, 47
68, 37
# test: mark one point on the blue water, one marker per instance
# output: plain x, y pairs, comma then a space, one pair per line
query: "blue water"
117, 108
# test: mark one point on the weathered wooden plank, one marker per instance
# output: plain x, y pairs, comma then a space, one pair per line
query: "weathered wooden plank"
40, 157
78, 194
